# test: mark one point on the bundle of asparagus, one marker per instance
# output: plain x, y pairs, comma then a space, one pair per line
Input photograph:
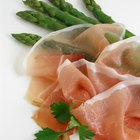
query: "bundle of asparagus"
45, 8
67, 7
59, 17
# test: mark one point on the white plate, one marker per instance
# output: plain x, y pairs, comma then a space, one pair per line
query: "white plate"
15, 111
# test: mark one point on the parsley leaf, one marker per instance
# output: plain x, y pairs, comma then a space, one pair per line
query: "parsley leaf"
73, 123
61, 111
84, 133
48, 134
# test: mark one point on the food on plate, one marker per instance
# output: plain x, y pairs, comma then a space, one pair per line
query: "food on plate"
84, 78
68, 70
125, 56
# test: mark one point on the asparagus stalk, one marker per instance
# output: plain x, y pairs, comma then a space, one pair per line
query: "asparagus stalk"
97, 11
101, 16
66, 49
26, 38
111, 37
43, 7
41, 20
30, 39
67, 7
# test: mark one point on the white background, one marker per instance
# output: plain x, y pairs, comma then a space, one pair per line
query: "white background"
15, 111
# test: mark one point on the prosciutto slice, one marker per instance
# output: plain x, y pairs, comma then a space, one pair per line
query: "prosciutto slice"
122, 56
36, 87
46, 65
113, 114
59, 73
77, 82
93, 40
100, 78
51, 51
43, 70
43, 116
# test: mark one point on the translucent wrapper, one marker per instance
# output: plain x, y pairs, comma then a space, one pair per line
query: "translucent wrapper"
123, 56
86, 40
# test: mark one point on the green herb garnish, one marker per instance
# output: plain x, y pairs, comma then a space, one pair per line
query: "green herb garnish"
48, 134
84, 133
62, 113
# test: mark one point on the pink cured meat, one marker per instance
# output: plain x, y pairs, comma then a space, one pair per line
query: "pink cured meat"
43, 70
43, 116
113, 114
93, 40
73, 83
45, 65
76, 86
123, 56
82, 80
36, 87
77, 82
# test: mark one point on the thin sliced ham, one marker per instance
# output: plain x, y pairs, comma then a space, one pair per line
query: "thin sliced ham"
43, 116
75, 85
113, 114
36, 87
93, 40
46, 65
122, 56
90, 77
60, 74
77, 82
44, 74
42, 61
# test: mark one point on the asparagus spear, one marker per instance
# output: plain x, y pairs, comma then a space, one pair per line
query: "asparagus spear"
41, 20
97, 11
43, 7
66, 49
30, 39
111, 37
26, 38
101, 16
67, 7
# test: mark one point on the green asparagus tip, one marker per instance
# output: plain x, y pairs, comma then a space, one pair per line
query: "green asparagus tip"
34, 4
26, 38
68, 7
57, 2
97, 11
41, 20
13, 35
27, 15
